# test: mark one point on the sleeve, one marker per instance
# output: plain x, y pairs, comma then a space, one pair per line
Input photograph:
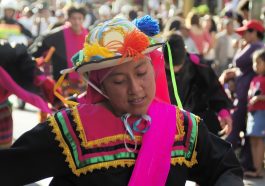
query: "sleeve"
39, 46
34, 156
217, 98
27, 67
217, 163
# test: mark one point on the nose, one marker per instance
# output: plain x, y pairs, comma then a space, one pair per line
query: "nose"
134, 86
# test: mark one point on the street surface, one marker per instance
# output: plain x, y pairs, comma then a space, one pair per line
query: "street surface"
26, 119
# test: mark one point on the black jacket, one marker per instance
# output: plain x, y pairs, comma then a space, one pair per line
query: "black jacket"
200, 92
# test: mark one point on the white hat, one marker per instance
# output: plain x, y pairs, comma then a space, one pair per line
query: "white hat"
104, 10
9, 4
117, 41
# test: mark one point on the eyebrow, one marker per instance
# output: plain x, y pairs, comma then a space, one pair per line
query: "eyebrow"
120, 73
141, 64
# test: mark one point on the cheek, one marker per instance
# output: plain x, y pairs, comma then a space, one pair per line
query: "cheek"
246, 36
117, 102
118, 99
116, 93
150, 85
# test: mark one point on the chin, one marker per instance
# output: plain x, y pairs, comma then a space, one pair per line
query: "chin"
139, 111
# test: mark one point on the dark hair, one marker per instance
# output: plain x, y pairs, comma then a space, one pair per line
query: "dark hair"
229, 14
175, 25
76, 9
177, 47
260, 35
133, 14
245, 6
213, 26
239, 19
161, 24
195, 20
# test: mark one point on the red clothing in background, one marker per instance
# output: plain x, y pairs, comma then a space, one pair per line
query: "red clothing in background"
257, 87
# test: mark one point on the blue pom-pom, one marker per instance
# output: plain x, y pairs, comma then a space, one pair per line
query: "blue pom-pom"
147, 25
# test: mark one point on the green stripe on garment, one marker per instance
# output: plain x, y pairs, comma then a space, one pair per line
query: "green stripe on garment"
177, 153
193, 136
192, 139
69, 138
121, 155
99, 159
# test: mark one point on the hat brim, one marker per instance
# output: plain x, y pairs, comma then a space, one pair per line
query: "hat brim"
241, 30
111, 62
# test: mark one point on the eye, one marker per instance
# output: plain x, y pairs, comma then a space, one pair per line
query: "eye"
118, 82
141, 73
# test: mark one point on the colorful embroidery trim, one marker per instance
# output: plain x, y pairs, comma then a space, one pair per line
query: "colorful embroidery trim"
82, 167
187, 153
180, 125
68, 130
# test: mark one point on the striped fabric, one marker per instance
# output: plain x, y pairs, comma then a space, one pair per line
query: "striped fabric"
7, 30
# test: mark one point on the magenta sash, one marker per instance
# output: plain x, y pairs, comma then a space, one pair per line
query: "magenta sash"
12, 87
153, 162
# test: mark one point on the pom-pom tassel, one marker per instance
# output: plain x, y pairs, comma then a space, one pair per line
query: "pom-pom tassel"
95, 50
147, 25
134, 44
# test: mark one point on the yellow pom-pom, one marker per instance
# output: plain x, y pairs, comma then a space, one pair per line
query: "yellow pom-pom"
96, 50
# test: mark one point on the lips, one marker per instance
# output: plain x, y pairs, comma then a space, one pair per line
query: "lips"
137, 101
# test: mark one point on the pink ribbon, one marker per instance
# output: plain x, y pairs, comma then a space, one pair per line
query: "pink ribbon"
12, 87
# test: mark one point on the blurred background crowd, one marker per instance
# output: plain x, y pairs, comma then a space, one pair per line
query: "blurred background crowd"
53, 30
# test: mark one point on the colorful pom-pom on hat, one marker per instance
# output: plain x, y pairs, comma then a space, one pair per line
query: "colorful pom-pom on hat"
117, 41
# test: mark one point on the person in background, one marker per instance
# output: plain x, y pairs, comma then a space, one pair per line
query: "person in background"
20, 76
256, 114
198, 87
252, 34
210, 28
225, 49
104, 14
176, 24
200, 37
67, 40
10, 28
243, 9
61, 19
133, 14
43, 20
189, 43
139, 141
125, 10
90, 16
27, 18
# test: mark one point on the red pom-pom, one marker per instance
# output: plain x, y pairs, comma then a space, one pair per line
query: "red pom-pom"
135, 43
